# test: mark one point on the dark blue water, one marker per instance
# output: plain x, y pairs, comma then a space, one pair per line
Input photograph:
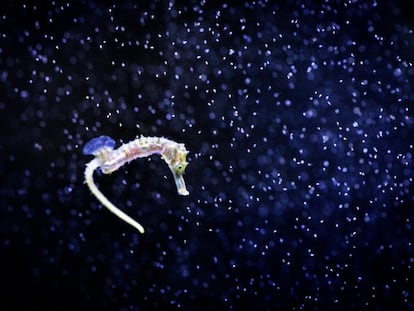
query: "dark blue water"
299, 121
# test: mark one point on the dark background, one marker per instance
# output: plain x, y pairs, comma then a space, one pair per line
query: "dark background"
299, 122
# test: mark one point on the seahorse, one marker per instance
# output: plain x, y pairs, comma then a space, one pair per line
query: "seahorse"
109, 160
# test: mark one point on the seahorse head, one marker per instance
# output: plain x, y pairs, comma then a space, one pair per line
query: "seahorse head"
175, 156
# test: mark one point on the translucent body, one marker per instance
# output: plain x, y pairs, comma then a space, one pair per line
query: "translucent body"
109, 160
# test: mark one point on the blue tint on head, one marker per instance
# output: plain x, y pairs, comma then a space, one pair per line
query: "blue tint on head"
97, 143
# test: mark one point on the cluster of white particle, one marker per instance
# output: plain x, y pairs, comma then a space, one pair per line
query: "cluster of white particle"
299, 120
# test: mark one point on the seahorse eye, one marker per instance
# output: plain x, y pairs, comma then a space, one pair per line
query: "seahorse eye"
181, 167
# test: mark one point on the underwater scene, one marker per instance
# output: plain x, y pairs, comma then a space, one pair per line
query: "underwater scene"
207, 155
